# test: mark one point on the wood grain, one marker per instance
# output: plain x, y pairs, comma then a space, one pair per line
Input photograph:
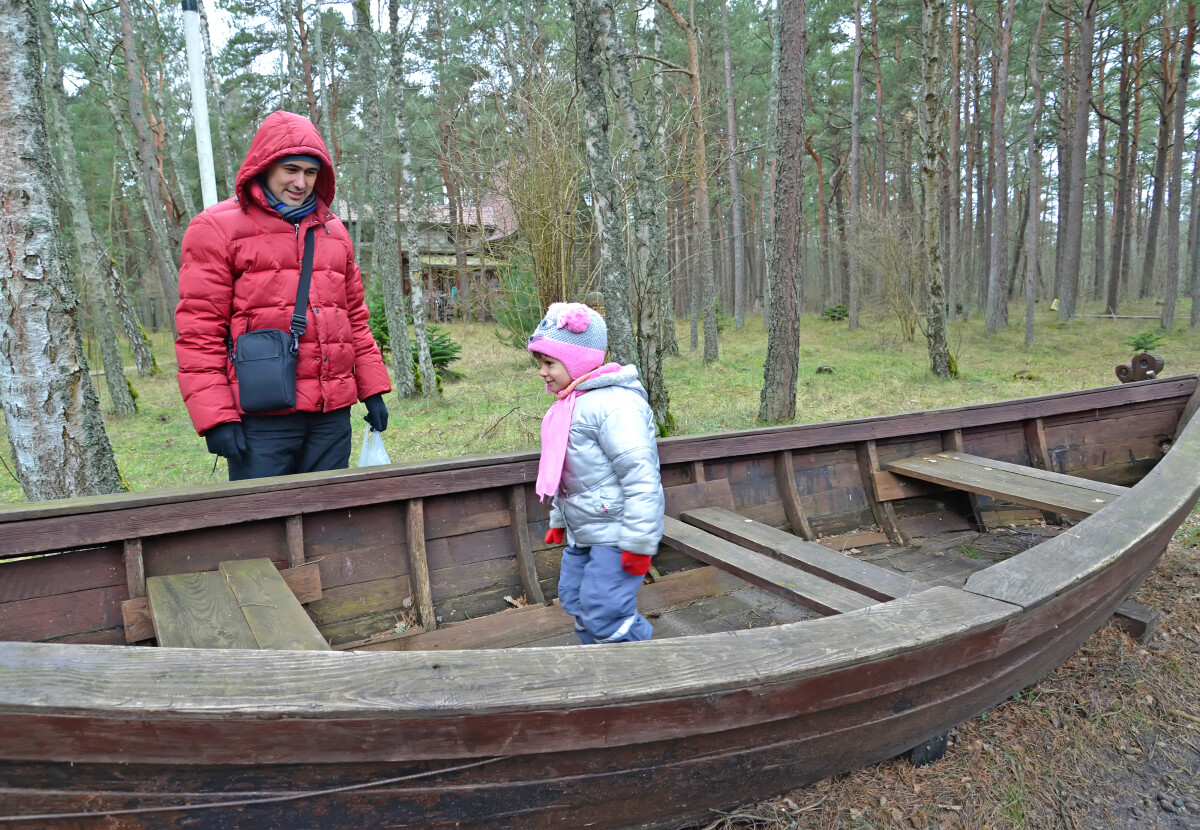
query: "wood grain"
274, 615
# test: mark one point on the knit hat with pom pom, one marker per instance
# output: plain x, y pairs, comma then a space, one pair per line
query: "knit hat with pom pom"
573, 334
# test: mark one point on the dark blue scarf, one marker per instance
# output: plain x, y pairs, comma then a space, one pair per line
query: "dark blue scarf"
291, 214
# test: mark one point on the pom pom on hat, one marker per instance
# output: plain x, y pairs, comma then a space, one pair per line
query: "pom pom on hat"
572, 333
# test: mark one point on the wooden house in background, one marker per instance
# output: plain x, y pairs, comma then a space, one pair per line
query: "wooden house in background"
453, 286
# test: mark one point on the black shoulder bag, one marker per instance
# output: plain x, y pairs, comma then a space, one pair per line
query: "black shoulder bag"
265, 359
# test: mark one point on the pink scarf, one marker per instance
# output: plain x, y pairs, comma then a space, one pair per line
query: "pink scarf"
556, 432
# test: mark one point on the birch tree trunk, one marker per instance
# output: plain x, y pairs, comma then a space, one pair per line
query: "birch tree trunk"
1035, 171
778, 399
735, 187
322, 93
704, 232
51, 411
649, 217
997, 297
384, 242
933, 19
952, 259
409, 226
92, 256
880, 196
1072, 259
606, 198
161, 249
1100, 243
1175, 189
1193, 270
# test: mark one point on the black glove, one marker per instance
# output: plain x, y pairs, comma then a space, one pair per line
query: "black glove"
227, 439
377, 413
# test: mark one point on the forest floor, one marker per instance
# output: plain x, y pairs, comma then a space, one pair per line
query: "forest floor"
1109, 739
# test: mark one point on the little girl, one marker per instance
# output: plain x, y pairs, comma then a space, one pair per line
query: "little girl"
600, 464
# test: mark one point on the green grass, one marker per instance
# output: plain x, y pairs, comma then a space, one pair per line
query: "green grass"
499, 403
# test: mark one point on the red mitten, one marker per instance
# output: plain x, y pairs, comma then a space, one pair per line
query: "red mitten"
554, 536
637, 564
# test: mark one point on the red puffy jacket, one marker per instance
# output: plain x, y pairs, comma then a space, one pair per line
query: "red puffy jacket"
240, 271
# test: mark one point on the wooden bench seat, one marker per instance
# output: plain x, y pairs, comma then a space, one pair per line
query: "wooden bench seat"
243, 604
861, 577
785, 581
1069, 495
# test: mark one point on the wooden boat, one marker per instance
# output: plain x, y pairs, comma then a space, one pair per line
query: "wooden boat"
414, 707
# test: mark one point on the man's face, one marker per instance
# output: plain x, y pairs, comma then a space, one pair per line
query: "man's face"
292, 181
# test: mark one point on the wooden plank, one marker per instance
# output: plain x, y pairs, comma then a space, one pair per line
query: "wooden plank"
135, 568
861, 577
885, 513
272, 611
1011, 482
197, 611
683, 497
418, 564
1138, 621
952, 440
1039, 456
782, 580
789, 494
294, 533
523, 545
304, 583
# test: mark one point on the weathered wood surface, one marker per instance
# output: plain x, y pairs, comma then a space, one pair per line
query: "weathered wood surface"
1079, 553
1136, 620
275, 616
1022, 485
789, 494
861, 577
418, 562
785, 581
885, 511
243, 605
197, 611
459, 703
524, 546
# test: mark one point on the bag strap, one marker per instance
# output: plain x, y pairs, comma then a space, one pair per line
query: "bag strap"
299, 316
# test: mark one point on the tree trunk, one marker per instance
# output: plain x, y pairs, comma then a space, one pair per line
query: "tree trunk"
670, 344
933, 19
1035, 171
607, 206
384, 241
649, 214
1194, 239
778, 399
92, 256
704, 236
855, 161
323, 94
953, 179
51, 411
880, 197
409, 228
1175, 189
1122, 187
1073, 243
1162, 148
1101, 207
735, 189
161, 248
997, 298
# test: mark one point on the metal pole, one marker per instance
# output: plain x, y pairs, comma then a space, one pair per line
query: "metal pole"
195, 56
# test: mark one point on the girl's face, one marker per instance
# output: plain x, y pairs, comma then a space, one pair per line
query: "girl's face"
553, 372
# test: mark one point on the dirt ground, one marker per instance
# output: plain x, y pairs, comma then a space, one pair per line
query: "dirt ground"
1110, 739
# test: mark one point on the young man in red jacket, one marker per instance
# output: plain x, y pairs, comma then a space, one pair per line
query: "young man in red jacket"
241, 269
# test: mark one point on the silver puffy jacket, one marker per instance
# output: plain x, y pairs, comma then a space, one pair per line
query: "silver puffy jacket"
611, 492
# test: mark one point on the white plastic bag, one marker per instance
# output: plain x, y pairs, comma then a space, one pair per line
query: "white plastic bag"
372, 452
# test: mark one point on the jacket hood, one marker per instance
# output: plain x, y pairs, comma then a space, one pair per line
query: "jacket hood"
285, 134
626, 376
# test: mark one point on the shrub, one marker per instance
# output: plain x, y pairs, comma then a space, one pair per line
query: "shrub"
1144, 342
836, 312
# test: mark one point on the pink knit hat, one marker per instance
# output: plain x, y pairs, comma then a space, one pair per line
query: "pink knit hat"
573, 334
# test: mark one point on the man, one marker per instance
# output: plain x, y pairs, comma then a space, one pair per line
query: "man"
241, 269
